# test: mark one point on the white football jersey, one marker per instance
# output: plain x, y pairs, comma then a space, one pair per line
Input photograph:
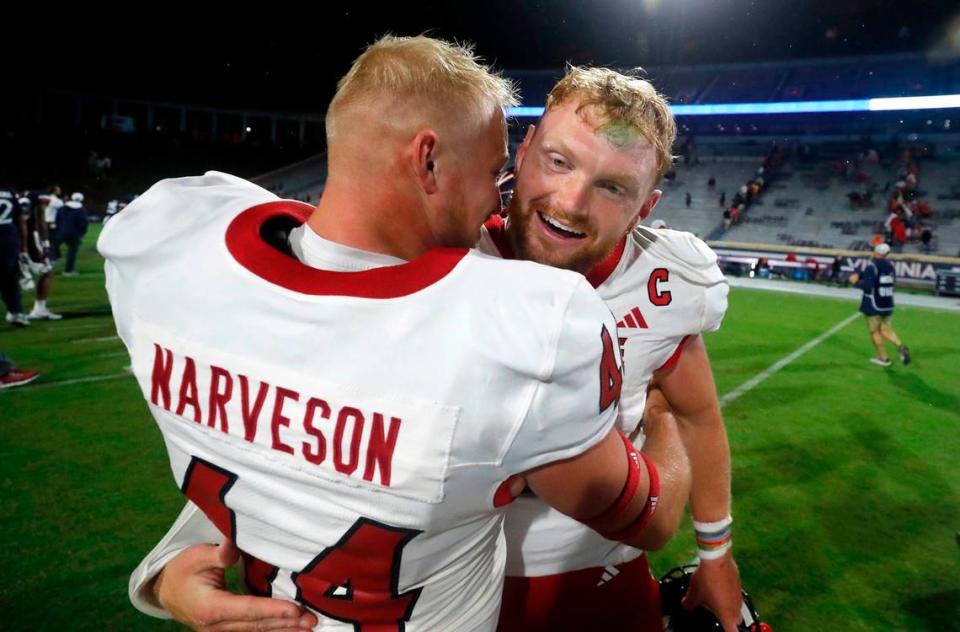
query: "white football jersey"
352, 431
662, 287
50, 211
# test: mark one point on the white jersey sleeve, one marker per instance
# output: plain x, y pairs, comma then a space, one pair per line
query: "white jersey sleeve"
566, 402
156, 227
714, 306
688, 255
696, 263
191, 527
146, 233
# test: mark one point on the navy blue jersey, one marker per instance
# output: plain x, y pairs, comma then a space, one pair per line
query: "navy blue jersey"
10, 213
877, 285
33, 200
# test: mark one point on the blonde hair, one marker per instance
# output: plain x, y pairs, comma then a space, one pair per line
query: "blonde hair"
617, 100
444, 75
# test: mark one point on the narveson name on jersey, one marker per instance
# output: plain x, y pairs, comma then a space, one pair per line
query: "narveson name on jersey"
340, 436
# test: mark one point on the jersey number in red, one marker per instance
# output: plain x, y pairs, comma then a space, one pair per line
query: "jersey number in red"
354, 581
611, 379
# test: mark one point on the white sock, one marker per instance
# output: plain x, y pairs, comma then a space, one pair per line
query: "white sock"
40, 306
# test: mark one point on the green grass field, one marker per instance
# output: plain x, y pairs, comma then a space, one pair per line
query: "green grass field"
846, 478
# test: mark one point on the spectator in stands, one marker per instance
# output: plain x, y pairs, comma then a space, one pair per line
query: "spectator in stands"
896, 231
926, 237
727, 218
906, 214
658, 223
71, 227
741, 196
11, 376
688, 199
877, 282
723, 199
791, 257
899, 234
712, 182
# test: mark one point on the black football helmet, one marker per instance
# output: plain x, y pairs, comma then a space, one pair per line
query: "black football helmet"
673, 587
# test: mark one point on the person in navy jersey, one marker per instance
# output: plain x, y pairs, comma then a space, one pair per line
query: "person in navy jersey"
12, 245
71, 227
877, 283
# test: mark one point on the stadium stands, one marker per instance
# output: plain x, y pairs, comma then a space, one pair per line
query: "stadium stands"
705, 213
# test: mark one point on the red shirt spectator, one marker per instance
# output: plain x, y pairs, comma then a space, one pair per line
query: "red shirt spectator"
899, 230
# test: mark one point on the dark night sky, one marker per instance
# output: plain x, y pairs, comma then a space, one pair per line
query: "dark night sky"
290, 59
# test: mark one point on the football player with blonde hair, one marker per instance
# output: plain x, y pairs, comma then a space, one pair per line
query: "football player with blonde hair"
349, 407
587, 176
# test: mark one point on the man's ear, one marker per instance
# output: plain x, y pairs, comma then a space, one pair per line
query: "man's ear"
522, 150
424, 147
647, 207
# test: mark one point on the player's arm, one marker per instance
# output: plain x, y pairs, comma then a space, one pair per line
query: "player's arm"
22, 227
866, 280
567, 447
183, 578
40, 221
610, 487
191, 527
689, 389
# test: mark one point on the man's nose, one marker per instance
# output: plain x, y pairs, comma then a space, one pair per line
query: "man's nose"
572, 196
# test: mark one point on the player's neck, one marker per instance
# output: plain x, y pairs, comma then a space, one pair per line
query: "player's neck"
367, 219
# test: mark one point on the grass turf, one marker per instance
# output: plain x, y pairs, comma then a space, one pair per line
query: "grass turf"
846, 490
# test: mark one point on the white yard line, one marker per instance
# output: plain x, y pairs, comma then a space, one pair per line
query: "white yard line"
117, 354
750, 384
76, 327
79, 380
101, 339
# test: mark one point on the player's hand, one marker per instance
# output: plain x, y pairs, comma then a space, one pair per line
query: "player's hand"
716, 585
854, 278
191, 588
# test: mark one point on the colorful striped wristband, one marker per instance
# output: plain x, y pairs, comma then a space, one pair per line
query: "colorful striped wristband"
714, 539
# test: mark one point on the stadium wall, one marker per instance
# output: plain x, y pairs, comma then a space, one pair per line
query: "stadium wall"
913, 270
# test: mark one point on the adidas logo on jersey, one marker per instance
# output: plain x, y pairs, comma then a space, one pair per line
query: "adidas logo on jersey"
608, 573
633, 320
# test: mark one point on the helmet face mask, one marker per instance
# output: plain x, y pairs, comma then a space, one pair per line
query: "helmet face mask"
673, 587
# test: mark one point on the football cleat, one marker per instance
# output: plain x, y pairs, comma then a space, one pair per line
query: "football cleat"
904, 355
16, 377
43, 314
18, 320
673, 587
